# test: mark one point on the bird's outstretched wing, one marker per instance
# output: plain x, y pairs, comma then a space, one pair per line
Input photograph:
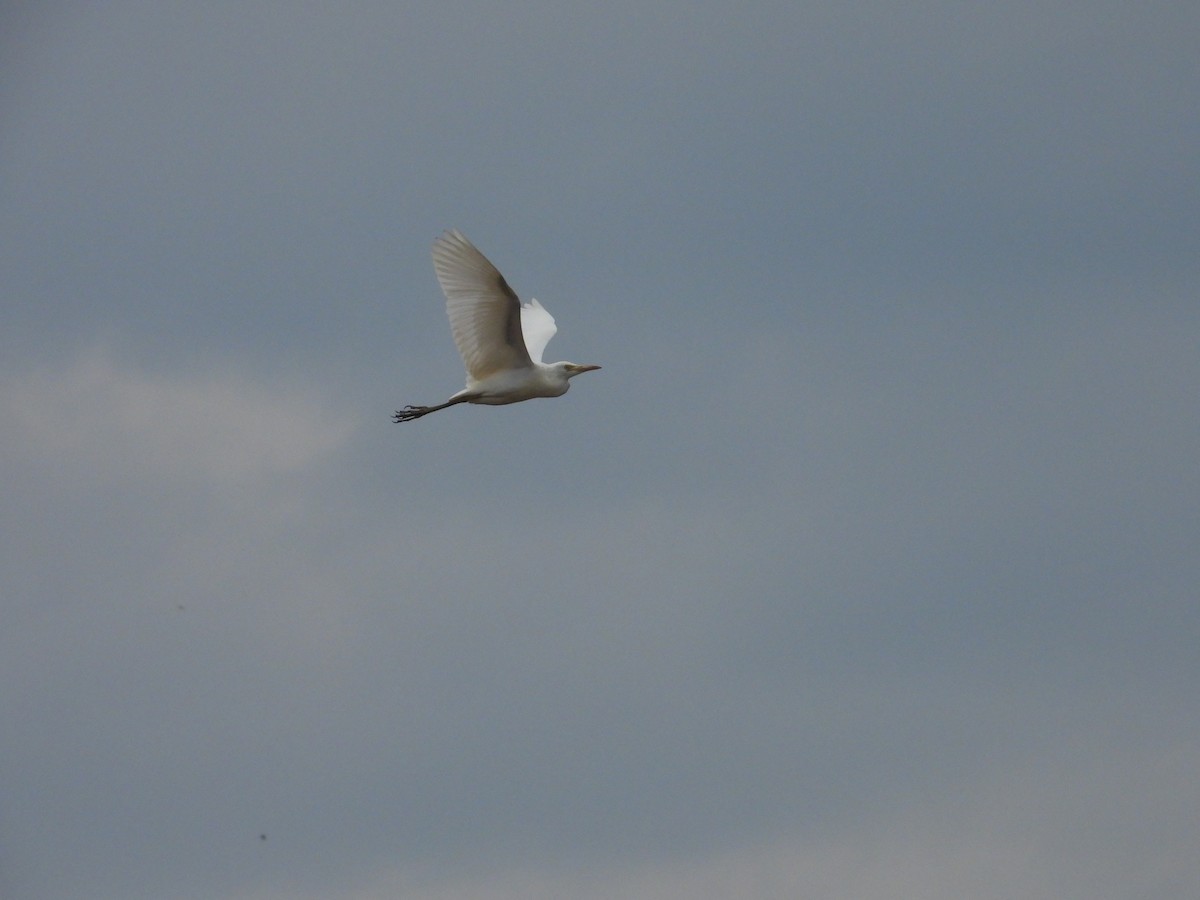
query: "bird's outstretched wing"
485, 314
538, 327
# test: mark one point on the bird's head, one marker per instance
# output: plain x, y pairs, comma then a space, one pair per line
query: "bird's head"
573, 369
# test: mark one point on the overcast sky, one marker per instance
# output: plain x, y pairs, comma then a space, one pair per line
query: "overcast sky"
865, 569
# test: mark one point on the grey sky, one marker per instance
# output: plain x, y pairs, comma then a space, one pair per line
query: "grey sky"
865, 568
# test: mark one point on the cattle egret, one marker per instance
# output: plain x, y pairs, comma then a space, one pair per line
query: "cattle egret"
500, 340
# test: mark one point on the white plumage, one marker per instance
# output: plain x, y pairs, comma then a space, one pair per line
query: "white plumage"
500, 340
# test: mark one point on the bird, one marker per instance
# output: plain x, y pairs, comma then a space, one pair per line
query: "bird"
500, 340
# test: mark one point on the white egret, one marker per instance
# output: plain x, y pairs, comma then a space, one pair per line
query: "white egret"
500, 340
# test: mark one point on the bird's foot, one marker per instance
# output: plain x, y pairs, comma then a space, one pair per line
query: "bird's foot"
409, 413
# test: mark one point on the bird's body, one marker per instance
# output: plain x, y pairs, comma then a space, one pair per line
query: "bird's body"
500, 340
515, 385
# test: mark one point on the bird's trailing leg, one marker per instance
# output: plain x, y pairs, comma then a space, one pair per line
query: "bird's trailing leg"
415, 412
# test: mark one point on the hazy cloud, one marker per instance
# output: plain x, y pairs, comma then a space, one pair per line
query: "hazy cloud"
213, 426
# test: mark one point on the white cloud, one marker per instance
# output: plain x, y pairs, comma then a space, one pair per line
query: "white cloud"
99, 414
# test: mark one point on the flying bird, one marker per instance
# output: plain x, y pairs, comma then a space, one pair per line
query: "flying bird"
499, 339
